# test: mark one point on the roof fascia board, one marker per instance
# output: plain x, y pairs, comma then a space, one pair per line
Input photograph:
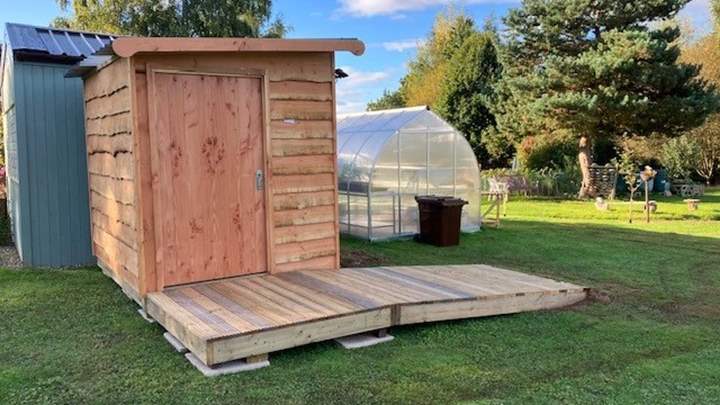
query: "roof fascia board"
127, 47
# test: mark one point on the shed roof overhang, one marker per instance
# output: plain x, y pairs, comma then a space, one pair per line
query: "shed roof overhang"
127, 47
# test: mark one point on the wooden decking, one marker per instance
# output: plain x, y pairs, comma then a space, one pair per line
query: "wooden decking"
247, 316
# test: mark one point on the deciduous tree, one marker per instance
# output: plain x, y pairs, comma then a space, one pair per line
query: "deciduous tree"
706, 53
389, 99
427, 70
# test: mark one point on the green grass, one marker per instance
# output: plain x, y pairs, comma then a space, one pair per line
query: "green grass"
70, 336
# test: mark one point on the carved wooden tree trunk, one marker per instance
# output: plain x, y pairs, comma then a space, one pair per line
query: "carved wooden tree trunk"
585, 161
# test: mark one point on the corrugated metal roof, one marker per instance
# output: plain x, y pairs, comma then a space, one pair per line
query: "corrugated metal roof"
52, 44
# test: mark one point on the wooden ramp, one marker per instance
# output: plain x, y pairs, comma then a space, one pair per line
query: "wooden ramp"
248, 316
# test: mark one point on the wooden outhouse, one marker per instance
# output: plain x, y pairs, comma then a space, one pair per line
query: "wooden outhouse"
211, 158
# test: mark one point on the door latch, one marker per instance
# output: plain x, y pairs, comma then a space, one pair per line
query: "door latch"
259, 180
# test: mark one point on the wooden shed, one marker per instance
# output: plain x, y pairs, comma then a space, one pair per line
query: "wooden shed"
213, 188
211, 158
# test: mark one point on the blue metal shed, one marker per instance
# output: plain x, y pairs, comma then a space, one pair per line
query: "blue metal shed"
45, 150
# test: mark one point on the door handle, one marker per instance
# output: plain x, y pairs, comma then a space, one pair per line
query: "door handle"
259, 180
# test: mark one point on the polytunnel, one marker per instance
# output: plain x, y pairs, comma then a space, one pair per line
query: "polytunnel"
386, 158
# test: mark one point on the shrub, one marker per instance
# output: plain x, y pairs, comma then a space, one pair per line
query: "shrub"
680, 157
539, 152
561, 180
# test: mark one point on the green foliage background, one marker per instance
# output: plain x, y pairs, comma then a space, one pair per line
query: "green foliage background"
184, 18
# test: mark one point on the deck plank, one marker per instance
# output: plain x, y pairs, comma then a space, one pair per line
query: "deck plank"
442, 289
246, 316
292, 302
204, 314
220, 294
426, 292
487, 278
479, 288
279, 315
311, 296
307, 279
378, 293
551, 284
404, 292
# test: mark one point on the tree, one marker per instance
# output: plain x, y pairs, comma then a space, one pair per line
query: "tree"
186, 18
389, 99
595, 69
706, 52
627, 167
708, 139
422, 84
467, 91
680, 157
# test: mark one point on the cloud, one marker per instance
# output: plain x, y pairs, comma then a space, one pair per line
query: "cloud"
354, 92
359, 78
347, 107
699, 13
403, 45
369, 8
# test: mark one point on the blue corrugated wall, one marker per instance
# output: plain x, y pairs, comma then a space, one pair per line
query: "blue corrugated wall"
49, 201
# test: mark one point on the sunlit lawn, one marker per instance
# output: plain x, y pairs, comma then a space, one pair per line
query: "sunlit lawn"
70, 336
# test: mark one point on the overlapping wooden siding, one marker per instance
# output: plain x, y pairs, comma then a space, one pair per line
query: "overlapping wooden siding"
301, 149
303, 170
111, 168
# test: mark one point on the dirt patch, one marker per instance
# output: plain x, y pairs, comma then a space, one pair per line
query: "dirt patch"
9, 257
358, 258
595, 295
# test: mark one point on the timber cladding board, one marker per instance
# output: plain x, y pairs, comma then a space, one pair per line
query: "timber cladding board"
298, 104
303, 166
111, 171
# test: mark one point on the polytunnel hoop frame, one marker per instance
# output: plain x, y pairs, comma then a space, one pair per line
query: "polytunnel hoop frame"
372, 131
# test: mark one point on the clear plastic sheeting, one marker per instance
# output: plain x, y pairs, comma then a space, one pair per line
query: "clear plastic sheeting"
386, 158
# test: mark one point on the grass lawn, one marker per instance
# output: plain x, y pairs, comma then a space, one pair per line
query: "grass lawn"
70, 336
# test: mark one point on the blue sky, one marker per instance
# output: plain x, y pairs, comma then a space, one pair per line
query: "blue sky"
391, 30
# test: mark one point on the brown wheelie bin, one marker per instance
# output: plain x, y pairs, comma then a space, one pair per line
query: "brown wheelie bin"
440, 219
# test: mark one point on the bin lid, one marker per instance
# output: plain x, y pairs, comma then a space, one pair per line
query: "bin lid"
444, 201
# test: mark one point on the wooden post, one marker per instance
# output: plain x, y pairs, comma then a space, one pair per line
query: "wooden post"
647, 203
380, 333
256, 359
498, 201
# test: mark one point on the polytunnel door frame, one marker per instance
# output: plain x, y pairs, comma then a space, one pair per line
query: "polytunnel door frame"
427, 133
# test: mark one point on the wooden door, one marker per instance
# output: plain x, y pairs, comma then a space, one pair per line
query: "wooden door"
206, 137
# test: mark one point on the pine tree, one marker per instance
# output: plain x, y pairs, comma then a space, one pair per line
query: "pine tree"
598, 69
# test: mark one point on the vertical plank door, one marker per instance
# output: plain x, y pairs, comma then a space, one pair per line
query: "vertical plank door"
206, 137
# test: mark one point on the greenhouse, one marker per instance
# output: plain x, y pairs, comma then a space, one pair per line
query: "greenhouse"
386, 158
